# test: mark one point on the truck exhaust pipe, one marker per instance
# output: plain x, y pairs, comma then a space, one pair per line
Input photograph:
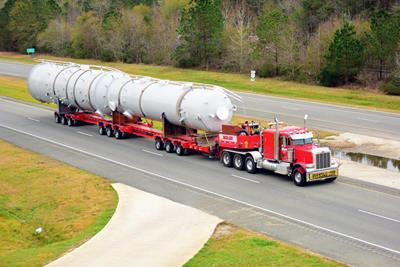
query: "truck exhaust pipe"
276, 140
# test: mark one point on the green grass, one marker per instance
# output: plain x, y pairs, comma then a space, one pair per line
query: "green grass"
234, 246
239, 82
36, 191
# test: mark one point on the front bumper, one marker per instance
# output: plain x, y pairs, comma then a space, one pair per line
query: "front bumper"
322, 174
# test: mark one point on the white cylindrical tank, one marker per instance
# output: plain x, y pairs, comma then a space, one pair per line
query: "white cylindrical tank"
95, 89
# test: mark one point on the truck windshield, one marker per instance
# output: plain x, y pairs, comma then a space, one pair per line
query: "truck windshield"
305, 141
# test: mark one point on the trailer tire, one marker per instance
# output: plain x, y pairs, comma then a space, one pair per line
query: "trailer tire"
102, 130
299, 178
109, 132
159, 144
57, 118
63, 120
180, 151
226, 159
250, 165
118, 134
169, 147
70, 122
238, 162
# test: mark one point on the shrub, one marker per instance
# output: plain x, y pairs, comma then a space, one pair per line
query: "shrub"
266, 70
392, 86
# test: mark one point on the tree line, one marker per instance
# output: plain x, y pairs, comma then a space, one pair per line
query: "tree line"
331, 42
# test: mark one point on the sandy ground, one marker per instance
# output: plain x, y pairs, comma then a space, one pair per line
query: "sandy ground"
146, 230
364, 144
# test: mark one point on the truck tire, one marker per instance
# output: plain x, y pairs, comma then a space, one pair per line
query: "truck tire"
299, 178
57, 118
63, 120
70, 122
109, 132
180, 151
102, 130
238, 162
226, 159
169, 147
118, 134
159, 144
250, 165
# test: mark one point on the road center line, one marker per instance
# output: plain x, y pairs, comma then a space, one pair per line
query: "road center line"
151, 152
247, 179
79, 132
204, 190
32, 119
380, 216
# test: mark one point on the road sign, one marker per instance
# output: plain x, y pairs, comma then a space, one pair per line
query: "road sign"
30, 51
253, 75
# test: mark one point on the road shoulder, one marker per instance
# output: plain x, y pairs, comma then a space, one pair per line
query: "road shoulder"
146, 230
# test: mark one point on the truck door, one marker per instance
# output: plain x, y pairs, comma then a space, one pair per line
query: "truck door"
283, 144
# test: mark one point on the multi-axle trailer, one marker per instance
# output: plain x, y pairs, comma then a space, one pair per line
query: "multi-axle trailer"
285, 150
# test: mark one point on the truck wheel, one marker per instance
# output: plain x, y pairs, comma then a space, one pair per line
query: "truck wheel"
118, 134
102, 130
250, 165
169, 147
63, 120
299, 178
159, 144
226, 159
70, 122
180, 151
238, 162
109, 132
57, 118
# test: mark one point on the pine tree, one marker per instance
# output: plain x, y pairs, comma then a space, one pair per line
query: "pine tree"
200, 33
344, 57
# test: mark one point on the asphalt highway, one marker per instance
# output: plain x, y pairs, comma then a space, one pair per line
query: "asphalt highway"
321, 116
350, 223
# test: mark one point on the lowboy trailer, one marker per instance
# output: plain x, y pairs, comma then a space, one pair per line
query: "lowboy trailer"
285, 150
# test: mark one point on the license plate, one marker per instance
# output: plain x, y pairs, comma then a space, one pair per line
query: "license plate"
321, 175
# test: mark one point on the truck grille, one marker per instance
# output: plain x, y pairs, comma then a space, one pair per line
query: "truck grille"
323, 160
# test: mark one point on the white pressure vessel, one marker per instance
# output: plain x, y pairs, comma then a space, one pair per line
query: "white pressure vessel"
101, 90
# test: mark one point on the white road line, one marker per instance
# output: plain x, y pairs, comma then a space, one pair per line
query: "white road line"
204, 190
32, 119
367, 120
79, 132
151, 152
380, 216
247, 179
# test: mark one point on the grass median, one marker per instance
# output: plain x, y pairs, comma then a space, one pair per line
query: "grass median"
234, 246
69, 204
240, 82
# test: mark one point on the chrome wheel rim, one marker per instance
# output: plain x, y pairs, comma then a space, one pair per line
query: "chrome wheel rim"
238, 161
226, 158
298, 177
249, 165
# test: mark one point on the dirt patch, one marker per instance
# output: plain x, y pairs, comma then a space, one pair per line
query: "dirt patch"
364, 144
223, 229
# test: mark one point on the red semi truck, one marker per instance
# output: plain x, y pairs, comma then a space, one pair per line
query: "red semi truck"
285, 150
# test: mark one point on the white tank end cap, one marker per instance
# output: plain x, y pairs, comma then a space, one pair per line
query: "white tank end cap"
222, 113
85, 67
112, 105
127, 114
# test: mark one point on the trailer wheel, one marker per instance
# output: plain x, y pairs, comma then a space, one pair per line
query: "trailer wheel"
63, 120
299, 178
57, 118
169, 147
180, 151
250, 165
238, 162
70, 122
159, 144
102, 131
109, 132
118, 134
226, 159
